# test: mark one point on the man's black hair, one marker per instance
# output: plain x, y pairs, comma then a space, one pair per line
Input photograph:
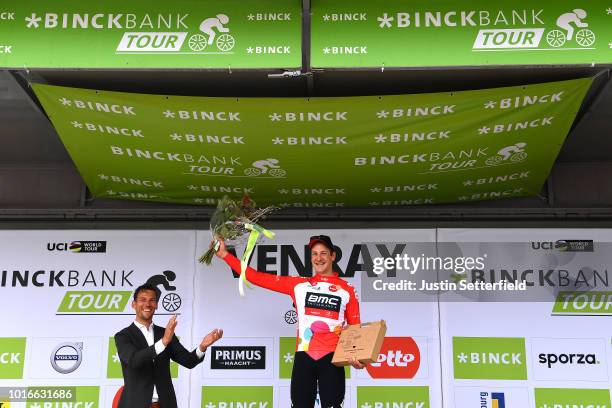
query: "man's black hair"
146, 286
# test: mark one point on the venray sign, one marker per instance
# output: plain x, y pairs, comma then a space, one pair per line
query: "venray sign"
422, 33
143, 34
317, 152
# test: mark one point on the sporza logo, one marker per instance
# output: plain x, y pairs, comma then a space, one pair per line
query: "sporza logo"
569, 359
67, 357
399, 357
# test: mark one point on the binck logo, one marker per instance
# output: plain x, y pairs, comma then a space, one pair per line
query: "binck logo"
592, 303
399, 357
495, 358
12, 356
572, 398
234, 397
393, 397
238, 357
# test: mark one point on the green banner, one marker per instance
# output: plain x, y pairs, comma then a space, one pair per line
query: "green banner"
489, 358
12, 356
398, 33
237, 396
316, 152
583, 303
392, 396
571, 397
145, 34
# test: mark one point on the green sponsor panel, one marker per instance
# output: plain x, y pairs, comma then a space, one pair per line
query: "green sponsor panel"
98, 301
583, 303
84, 396
229, 396
317, 152
572, 397
393, 396
143, 34
423, 33
286, 356
12, 357
489, 358
113, 364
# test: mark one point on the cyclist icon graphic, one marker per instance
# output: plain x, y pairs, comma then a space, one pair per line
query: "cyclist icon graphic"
267, 166
209, 28
514, 153
566, 22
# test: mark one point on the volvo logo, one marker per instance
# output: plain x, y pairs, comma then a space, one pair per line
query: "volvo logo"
67, 357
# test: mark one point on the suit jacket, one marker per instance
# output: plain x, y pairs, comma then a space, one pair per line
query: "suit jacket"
142, 368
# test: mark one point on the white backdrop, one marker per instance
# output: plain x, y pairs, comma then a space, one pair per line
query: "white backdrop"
51, 307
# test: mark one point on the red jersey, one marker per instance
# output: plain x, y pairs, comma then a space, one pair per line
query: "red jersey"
323, 305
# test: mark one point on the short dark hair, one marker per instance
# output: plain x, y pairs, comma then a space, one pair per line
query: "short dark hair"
146, 286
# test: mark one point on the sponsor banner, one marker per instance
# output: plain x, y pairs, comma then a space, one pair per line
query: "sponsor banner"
236, 396
240, 357
595, 303
138, 34
399, 358
571, 397
393, 396
425, 34
12, 357
569, 359
491, 358
491, 397
69, 357
400, 149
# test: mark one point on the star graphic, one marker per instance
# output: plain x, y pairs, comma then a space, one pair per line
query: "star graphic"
484, 130
609, 10
463, 198
103, 176
192, 187
458, 277
115, 358
375, 190
76, 124
251, 17
35, 405
284, 204
110, 192
169, 114
326, 17
385, 21
66, 102
198, 200
277, 140
366, 405
373, 203
283, 191
490, 105
275, 117
210, 405
380, 138
326, 50
250, 50
468, 182
32, 21
288, 358
382, 114
462, 358
610, 44
176, 136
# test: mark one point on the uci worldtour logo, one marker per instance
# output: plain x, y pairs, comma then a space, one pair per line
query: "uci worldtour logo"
565, 245
67, 357
78, 246
238, 357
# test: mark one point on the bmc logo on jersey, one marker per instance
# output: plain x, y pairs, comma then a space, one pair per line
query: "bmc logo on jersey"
322, 304
399, 357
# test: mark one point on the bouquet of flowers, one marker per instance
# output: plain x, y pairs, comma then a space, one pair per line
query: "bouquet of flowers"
231, 221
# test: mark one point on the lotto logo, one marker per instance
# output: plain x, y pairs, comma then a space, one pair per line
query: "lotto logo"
399, 357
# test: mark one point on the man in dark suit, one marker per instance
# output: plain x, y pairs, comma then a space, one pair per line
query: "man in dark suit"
145, 351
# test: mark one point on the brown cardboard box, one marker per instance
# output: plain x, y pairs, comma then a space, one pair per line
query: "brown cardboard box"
362, 341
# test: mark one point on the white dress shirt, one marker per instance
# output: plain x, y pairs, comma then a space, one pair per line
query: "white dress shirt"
159, 348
